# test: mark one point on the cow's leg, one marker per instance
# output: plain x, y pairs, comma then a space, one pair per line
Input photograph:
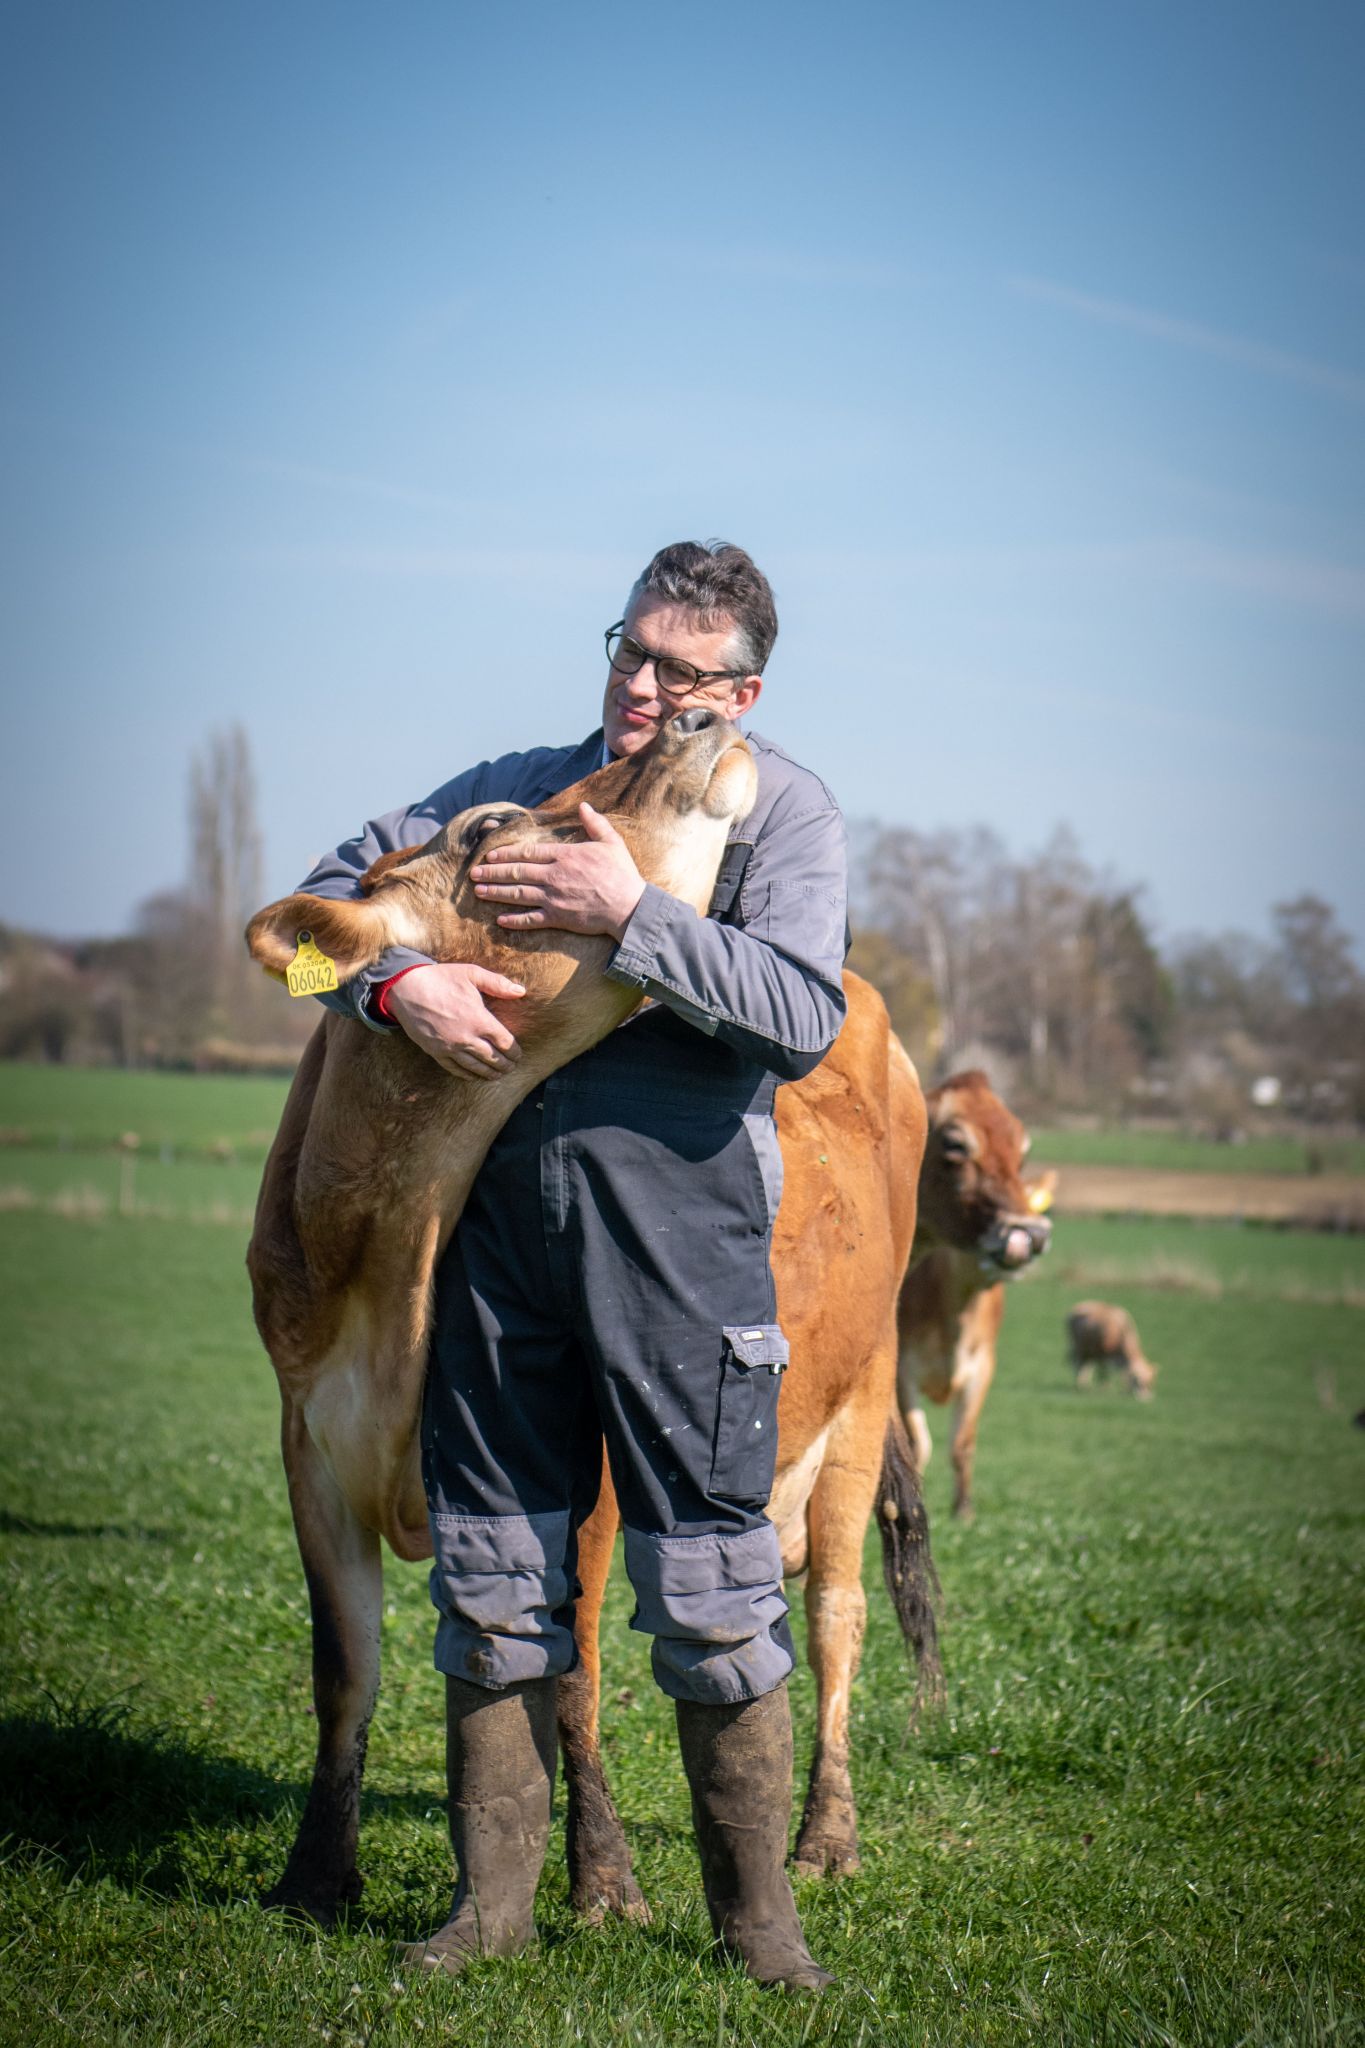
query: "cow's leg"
917, 1429
966, 1415
1081, 1365
836, 1614
341, 1565
601, 1879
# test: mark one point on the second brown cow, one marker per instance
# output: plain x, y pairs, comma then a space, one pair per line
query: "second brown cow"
979, 1223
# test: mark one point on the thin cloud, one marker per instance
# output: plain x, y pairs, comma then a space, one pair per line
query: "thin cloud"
1192, 334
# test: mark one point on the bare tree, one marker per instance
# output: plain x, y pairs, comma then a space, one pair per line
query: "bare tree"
225, 871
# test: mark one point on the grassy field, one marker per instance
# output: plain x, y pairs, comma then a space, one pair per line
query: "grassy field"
90, 1108
1301, 1153
1139, 1820
86, 1108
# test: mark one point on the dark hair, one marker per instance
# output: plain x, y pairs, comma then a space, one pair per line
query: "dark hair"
724, 586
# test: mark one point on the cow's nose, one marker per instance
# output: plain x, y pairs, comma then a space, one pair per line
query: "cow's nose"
695, 720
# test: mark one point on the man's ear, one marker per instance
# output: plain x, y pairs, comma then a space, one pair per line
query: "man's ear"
746, 694
351, 934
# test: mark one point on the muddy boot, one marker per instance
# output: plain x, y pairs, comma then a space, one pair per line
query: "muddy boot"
500, 1767
738, 1762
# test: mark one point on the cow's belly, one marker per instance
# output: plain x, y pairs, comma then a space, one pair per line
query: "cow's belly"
944, 1375
925, 1371
791, 1494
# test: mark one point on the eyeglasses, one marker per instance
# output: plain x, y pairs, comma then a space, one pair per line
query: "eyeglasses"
675, 677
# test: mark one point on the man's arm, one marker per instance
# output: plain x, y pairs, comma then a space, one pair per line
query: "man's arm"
772, 985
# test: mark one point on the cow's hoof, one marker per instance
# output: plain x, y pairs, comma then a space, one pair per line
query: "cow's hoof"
825, 1856
321, 1903
613, 1892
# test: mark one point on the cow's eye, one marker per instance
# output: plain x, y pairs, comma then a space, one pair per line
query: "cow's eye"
954, 1146
476, 829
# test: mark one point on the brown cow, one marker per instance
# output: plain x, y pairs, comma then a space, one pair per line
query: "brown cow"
978, 1221
1101, 1335
370, 1168
852, 1136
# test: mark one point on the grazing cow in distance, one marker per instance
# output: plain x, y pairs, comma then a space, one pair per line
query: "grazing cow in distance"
979, 1223
375, 1154
1101, 1335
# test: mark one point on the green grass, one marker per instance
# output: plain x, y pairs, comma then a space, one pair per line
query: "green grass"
1139, 1820
1173, 1151
92, 1107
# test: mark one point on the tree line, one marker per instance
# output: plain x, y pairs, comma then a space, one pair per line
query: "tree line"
1045, 970
1042, 968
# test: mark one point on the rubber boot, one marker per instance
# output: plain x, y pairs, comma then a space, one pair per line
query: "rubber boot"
738, 1762
500, 1770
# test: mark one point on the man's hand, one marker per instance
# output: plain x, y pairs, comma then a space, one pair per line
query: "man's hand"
444, 1010
592, 887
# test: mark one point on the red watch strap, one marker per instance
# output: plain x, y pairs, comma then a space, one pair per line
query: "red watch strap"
379, 1001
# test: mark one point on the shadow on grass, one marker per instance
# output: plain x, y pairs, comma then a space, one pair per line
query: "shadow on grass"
26, 1525
79, 1785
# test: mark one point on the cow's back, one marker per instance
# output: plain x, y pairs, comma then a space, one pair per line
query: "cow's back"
1100, 1329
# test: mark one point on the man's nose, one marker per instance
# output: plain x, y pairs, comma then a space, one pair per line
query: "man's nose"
644, 684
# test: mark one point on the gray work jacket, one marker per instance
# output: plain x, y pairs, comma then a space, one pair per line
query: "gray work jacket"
761, 973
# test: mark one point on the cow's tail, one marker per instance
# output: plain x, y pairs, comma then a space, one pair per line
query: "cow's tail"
911, 1579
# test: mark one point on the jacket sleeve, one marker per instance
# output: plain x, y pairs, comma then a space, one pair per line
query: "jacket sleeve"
338, 874
772, 985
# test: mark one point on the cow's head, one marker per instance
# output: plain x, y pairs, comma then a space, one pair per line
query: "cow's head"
1142, 1377
673, 804
972, 1194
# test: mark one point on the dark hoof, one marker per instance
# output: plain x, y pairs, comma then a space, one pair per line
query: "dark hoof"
827, 1839
610, 1892
321, 1904
818, 1856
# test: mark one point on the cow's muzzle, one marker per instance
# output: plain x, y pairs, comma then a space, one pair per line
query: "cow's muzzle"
1013, 1242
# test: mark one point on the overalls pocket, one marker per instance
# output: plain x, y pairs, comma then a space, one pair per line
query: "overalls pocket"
753, 1358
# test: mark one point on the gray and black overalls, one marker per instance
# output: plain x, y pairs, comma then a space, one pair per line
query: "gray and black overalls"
610, 1273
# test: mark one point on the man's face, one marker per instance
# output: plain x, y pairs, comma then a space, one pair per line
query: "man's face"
634, 707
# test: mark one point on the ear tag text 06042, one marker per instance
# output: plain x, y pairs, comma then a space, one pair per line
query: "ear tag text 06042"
310, 972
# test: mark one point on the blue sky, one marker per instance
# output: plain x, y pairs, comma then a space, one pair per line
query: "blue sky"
355, 361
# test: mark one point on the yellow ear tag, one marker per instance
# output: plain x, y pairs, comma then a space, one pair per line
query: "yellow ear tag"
1039, 1200
310, 972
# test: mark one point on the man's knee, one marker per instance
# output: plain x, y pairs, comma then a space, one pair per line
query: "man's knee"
715, 1608
501, 1586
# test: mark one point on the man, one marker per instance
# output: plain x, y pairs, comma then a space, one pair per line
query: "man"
610, 1276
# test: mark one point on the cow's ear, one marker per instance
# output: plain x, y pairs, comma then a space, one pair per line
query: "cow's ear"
1041, 1190
351, 934
386, 863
